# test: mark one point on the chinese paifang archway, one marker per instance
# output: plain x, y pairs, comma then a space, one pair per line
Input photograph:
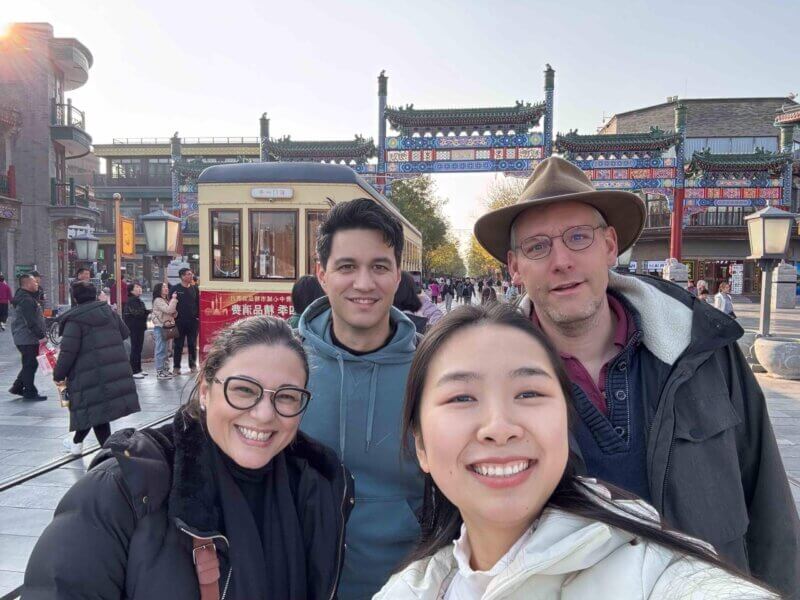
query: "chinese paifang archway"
643, 162
465, 140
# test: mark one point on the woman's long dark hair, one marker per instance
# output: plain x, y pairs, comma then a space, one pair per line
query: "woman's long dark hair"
441, 520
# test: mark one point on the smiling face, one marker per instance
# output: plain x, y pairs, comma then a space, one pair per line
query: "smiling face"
360, 279
566, 286
251, 438
493, 427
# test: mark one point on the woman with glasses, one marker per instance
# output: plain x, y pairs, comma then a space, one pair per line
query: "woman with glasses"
228, 501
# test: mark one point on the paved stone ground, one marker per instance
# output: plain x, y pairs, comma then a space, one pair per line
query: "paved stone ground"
31, 433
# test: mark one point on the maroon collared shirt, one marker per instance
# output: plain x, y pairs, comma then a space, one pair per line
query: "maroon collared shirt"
596, 390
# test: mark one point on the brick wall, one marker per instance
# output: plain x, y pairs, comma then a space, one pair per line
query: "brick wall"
706, 118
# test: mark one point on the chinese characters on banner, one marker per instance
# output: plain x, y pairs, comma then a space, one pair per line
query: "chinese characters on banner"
218, 309
737, 279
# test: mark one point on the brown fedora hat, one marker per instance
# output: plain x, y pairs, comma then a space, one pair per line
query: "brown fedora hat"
558, 180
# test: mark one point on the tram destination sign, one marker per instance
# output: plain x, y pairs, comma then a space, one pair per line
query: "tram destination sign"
272, 193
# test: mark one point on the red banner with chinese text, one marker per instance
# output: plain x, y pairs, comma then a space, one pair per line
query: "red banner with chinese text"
218, 309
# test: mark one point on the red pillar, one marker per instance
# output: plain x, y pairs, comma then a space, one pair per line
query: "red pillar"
676, 225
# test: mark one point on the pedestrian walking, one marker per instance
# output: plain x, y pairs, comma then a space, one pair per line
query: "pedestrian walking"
480, 287
459, 290
723, 300
447, 294
165, 310
5, 298
93, 363
488, 295
675, 415
40, 295
229, 500
467, 292
28, 330
434, 289
505, 514
407, 300
188, 321
691, 287
360, 348
304, 292
702, 294
82, 274
135, 316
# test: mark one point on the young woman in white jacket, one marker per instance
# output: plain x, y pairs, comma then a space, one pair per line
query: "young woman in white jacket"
504, 515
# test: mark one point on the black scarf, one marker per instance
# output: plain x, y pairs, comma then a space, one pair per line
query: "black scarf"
267, 551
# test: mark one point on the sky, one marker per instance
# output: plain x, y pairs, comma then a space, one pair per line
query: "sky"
211, 69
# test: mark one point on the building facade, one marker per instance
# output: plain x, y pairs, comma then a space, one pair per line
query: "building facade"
42, 132
733, 158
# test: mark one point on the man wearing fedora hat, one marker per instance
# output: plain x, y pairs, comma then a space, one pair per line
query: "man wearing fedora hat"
666, 405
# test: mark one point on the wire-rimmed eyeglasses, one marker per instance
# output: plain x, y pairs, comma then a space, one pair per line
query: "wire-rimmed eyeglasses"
575, 238
243, 393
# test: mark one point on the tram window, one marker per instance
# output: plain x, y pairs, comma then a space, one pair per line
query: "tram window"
273, 244
226, 244
314, 218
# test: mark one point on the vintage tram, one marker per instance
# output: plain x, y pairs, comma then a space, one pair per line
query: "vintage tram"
258, 233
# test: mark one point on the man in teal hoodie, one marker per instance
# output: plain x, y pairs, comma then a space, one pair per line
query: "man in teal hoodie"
360, 349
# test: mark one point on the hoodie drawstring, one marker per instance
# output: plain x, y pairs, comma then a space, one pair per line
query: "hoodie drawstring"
373, 386
342, 407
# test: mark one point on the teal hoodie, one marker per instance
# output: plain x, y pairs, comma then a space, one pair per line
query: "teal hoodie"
356, 409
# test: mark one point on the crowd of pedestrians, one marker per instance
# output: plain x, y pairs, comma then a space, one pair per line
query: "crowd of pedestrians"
589, 435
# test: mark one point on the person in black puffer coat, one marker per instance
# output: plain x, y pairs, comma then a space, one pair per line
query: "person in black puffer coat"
94, 363
135, 316
161, 510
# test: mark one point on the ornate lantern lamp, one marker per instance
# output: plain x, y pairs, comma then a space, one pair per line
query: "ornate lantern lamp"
85, 247
161, 237
769, 231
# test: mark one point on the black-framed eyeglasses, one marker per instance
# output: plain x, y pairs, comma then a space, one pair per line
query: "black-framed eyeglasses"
575, 238
243, 393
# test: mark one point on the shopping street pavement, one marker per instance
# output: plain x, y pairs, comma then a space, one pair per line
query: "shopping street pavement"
31, 435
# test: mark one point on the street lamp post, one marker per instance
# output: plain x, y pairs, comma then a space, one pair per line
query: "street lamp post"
769, 231
161, 236
118, 250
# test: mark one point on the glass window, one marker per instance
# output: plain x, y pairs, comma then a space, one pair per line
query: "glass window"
314, 218
226, 244
126, 168
273, 244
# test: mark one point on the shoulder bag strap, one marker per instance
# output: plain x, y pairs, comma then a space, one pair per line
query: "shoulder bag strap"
206, 564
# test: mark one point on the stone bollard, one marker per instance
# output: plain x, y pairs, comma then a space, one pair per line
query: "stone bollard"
779, 356
676, 272
784, 286
746, 343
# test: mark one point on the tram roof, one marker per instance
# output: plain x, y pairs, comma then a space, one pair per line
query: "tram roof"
296, 172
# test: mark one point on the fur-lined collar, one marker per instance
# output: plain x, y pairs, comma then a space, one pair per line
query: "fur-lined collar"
174, 463
671, 318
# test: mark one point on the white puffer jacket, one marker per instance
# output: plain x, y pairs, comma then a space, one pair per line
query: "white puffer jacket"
571, 558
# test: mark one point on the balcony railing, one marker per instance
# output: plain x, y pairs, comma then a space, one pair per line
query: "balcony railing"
69, 194
8, 183
66, 115
701, 219
106, 180
186, 140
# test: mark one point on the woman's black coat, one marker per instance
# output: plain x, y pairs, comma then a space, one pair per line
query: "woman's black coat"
125, 529
135, 313
93, 360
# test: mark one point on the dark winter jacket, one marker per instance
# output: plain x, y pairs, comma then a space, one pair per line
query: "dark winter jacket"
135, 313
95, 364
28, 326
713, 466
125, 529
